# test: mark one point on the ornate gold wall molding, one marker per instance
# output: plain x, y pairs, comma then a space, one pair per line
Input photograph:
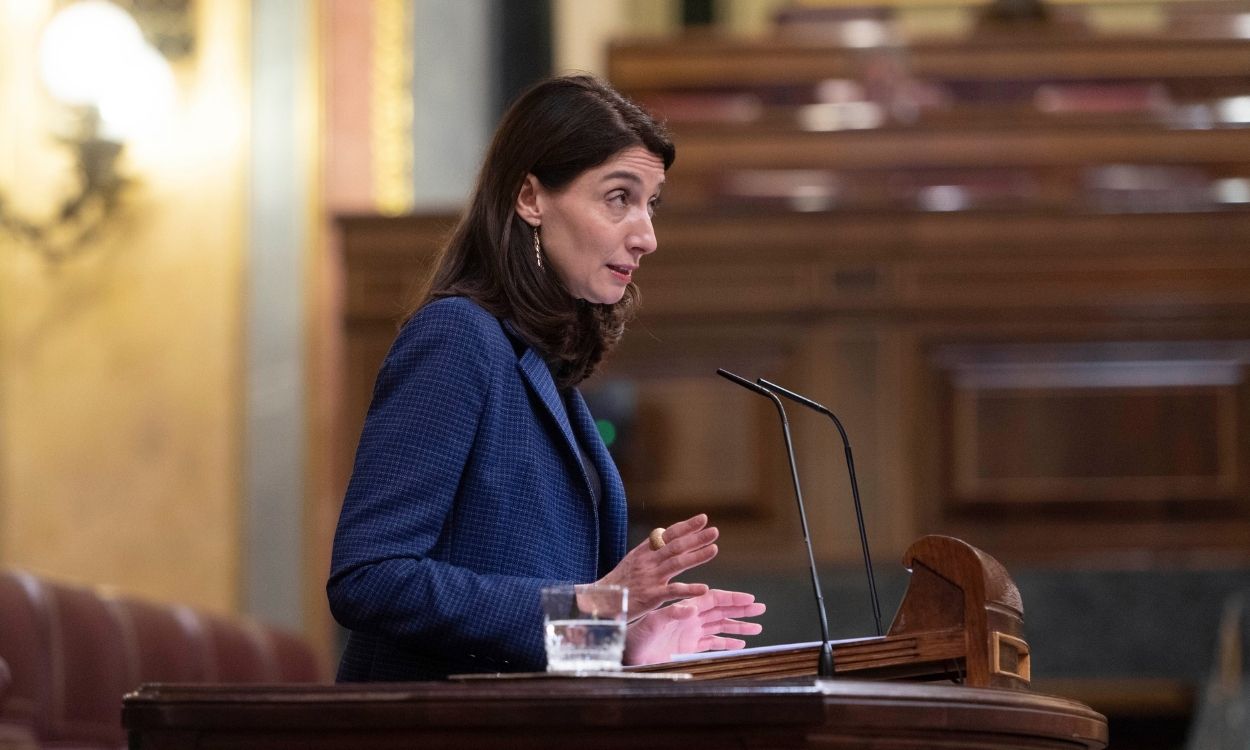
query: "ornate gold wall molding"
391, 106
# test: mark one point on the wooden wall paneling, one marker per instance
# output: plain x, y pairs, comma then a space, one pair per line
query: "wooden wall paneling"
1085, 58
1080, 234
1131, 449
749, 285
1096, 424
850, 367
711, 63
1190, 277
903, 428
1181, 186
705, 444
908, 148
838, 367
690, 452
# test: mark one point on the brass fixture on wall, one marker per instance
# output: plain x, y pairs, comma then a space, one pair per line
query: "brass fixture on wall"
110, 85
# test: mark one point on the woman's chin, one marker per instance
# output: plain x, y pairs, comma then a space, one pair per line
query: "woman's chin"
604, 299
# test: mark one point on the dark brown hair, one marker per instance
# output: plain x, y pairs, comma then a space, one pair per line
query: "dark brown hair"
556, 130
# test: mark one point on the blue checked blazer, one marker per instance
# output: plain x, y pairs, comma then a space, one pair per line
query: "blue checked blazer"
467, 496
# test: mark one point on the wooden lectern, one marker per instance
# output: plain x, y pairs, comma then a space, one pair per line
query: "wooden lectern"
960, 622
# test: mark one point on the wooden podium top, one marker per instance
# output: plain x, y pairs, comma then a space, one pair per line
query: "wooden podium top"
607, 713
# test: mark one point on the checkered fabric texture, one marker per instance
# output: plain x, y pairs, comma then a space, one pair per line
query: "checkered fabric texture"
468, 495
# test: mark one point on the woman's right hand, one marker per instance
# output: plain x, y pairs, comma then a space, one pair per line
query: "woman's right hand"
705, 623
648, 572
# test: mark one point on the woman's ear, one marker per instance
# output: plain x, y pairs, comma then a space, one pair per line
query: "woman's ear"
527, 201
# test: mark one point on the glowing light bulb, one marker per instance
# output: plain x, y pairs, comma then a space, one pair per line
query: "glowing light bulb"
140, 98
92, 53
83, 47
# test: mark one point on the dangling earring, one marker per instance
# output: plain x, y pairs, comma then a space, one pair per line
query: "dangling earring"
538, 249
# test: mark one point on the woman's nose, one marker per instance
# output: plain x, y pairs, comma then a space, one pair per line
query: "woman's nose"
643, 239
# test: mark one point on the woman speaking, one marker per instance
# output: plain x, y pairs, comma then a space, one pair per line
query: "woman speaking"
480, 476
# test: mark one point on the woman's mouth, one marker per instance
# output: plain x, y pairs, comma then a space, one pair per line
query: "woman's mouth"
622, 273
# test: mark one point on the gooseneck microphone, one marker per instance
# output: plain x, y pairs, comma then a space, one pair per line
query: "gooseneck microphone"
826, 648
850, 468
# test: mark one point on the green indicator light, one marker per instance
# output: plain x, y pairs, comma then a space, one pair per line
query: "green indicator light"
607, 431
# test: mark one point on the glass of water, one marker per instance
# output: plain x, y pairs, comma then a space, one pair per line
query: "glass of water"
585, 627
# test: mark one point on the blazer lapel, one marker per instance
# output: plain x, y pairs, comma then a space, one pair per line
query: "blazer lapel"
537, 376
612, 510
539, 379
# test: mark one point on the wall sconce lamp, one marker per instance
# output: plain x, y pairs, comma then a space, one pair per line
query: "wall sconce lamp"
112, 86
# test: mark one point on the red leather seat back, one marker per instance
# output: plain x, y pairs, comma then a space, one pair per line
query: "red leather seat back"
72, 653
5, 678
90, 670
23, 645
239, 651
296, 660
165, 643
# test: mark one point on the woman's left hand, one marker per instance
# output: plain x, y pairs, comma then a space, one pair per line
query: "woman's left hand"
691, 626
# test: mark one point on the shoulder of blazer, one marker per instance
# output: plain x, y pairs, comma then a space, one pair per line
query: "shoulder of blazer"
448, 340
475, 324
458, 322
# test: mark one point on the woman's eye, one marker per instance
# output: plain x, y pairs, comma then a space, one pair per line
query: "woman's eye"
619, 198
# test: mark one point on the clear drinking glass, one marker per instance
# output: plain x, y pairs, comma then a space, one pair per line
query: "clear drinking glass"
585, 627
